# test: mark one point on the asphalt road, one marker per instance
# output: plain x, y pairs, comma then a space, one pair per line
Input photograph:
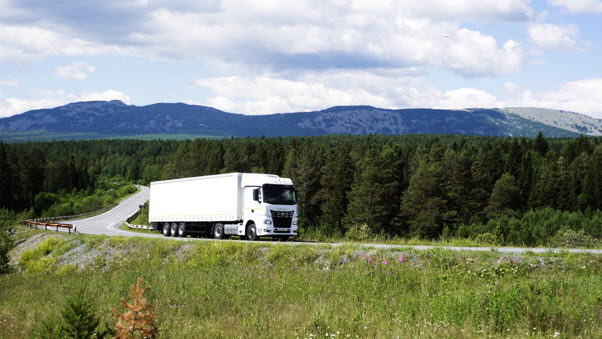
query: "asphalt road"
108, 223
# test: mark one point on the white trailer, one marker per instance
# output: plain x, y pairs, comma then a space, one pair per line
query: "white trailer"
248, 205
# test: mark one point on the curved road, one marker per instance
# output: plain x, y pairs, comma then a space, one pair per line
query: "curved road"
108, 223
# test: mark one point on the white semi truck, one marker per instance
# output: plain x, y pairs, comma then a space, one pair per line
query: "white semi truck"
247, 205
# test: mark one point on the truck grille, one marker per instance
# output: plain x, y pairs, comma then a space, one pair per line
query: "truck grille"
282, 219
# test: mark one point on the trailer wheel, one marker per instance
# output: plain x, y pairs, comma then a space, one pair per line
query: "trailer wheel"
251, 232
174, 229
166, 229
218, 231
181, 230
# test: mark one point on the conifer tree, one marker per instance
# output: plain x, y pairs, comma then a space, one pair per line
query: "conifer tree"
423, 203
335, 182
505, 198
138, 320
541, 145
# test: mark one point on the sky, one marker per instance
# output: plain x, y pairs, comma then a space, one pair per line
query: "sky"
266, 56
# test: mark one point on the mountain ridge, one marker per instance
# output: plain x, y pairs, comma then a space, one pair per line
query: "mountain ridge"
105, 119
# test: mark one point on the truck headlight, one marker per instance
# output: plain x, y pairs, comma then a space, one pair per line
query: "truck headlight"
295, 222
267, 222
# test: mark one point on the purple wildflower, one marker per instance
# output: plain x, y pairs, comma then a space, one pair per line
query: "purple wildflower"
259, 277
369, 259
373, 263
385, 262
497, 282
296, 267
389, 273
401, 259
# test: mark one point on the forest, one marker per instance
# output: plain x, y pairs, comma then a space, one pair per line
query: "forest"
510, 191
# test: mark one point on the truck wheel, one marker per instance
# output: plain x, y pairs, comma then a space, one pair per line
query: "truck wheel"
174, 229
251, 232
218, 231
181, 230
166, 229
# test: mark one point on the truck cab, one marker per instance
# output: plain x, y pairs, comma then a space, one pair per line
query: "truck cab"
270, 208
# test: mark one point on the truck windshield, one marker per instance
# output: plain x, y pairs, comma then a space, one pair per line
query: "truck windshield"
279, 195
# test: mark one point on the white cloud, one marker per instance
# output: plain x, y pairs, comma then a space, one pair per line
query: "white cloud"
276, 35
576, 6
25, 44
267, 93
581, 96
9, 82
554, 36
49, 99
78, 70
105, 96
467, 98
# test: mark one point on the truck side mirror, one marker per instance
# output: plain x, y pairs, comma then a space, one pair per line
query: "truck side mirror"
256, 195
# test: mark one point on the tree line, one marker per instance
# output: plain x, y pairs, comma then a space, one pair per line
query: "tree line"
408, 185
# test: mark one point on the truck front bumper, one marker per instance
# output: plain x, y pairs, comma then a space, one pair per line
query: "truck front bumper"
264, 232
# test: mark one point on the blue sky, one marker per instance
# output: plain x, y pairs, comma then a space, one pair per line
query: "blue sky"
261, 57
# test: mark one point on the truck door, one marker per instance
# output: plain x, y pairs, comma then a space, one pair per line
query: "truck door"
252, 201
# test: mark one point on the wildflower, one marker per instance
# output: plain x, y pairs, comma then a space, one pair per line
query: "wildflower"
497, 282
365, 255
296, 267
373, 263
401, 259
385, 262
271, 275
326, 278
389, 273
259, 277
369, 259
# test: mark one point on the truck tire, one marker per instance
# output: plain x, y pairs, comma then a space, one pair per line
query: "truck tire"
181, 230
166, 229
218, 231
174, 229
251, 232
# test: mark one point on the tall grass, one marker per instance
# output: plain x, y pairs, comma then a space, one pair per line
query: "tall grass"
231, 289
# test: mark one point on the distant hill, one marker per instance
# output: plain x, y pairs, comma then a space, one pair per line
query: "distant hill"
114, 119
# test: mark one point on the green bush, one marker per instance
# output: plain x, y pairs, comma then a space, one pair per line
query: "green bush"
486, 239
6, 238
359, 232
570, 239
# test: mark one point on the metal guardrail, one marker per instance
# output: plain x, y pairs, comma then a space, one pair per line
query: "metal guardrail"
35, 223
42, 221
76, 216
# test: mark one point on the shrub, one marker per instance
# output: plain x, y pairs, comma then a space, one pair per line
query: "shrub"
570, 238
486, 239
359, 232
6, 238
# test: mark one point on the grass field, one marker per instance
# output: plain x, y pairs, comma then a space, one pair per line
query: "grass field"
233, 289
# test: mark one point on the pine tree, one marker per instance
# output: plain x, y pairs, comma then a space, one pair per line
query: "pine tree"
138, 320
505, 198
6, 178
335, 182
423, 203
541, 145
373, 198
591, 194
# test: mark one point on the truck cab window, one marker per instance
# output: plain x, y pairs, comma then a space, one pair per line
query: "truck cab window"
279, 195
